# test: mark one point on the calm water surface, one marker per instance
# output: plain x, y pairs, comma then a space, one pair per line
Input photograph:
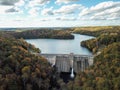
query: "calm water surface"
55, 46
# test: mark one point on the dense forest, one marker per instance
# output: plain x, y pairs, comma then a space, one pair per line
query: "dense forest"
22, 69
105, 72
97, 31
103, 75
44, 33
103, 38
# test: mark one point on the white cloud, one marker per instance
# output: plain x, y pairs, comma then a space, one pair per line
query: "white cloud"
33, 3
105, 5
100, 7
45, 19
102, 11
65, 1
34, 12
11, 10
109, 11
47, 11
20, 3
66, 18
68, 9
4, 8
64, 10
10, 6
38, 13
8, 2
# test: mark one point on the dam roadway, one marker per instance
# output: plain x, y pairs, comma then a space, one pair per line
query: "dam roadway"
66, 62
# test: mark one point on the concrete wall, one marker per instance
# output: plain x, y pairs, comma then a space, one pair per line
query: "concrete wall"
64, 62
80, 63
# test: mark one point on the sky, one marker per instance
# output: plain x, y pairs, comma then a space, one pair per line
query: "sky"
59, 13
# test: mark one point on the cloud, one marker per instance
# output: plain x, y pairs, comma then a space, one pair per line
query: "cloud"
8, 2
66, 18
47, 11
10, 6
46, 19
102, 11
20, 3
4, 8
11, 10
65, 1
68, 9
34, 12
33, 3
64, 10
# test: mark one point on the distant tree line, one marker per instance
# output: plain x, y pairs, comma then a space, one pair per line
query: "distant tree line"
34, 34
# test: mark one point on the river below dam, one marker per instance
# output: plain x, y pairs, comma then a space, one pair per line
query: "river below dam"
57, 46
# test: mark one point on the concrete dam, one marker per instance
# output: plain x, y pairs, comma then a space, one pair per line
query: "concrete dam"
66, 62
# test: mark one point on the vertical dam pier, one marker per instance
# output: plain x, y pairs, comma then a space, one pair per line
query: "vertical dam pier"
66, 62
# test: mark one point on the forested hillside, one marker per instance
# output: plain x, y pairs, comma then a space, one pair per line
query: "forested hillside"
34, 34
103, 75
20, 69
104, 36
105, 72
97, 31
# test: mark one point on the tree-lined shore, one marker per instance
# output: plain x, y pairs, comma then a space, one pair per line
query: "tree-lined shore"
105, 72
40, 33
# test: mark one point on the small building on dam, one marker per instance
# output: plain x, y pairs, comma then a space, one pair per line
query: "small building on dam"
66, 62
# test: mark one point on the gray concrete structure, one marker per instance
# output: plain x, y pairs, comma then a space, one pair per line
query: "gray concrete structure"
65, 62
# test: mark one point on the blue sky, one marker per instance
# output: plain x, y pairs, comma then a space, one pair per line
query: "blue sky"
59, 13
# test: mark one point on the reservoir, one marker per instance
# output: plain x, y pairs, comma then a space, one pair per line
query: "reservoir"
57, 46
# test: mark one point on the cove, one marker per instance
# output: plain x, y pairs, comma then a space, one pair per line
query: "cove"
57, 46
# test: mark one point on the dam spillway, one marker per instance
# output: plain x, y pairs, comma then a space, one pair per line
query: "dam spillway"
66, 62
